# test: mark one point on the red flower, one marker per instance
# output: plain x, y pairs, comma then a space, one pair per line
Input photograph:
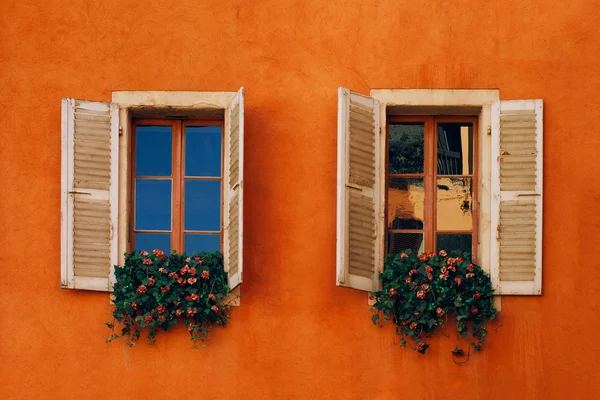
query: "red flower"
430, 255
477, 296
425, 287
444, 270
192, 271
423, 257
176, 303
159, 253
188, 298
408, 280
143, 253
421, 347
429, 269
444, 277
417, 313
474, 310
191, 281
451, 261
198, 260
162, 318
162, 270
403, 256
458, 281
178, 313
187, 260
194, 297
205, 275
469, 275
212, 297
452, 268
215, 308
191, 327
165, 289
392, 292
430, 277
148, 319
421, 294
134, 306
184, 270
147, 261
443, 253
439, 311
150, 282
412, 272
191, 312
141, 289
181, 281
404, 323
470, 267
161, 309
172, 275
460, 259
413, 325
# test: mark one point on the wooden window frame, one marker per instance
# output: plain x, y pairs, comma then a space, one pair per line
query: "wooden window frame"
177, 177
430, 177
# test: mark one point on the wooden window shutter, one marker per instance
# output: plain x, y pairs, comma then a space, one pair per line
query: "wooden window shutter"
360, 174
89, 202
517, 158
234, 190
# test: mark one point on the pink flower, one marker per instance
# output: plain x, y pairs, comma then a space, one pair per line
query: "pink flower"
423, 257
469, 275
439, 311
134, 306
176, 303
392, 292
147, 261
191, 312
215, 308
172, 275
458, 281
191, 281
430, 277
421, 294
443, 253
425, 287
470, 267
430, 255
205, 275
403, 256
192, 271
150, 282
162, 270
165, 289
184, 270
162, 318
412, 272
408, 280
141, 289
444, 270
187, 260
212, 297
159, 253
148, 319
178, 313
444, 277
413, 325
161, 309
194, 297
143, 253
429, 269
191, 327
198, 260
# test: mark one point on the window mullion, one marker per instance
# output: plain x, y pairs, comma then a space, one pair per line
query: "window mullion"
177, 236
429, 184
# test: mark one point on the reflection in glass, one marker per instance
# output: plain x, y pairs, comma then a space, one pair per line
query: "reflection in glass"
461, 242
406, 147
400, 241
153, 204
455, 149
405, 203
196, 243
454, 204
203, 151
202, 205
150, 241
153, 150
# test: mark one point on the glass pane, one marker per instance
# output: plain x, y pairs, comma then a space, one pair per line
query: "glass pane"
405, 203
406, 148
454, 204
202, 205
153, 204
196, 243
203, 151
455, 148
153, 151
151, 241
400, 241
455, 242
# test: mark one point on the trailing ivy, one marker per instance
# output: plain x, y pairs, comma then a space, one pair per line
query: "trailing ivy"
420, 292
154, 291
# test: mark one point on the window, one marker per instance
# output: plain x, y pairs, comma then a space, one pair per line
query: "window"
468, 178
150, 170
177, 185
430, 192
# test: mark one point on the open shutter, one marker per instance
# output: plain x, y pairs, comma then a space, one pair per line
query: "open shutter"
90, 136
359, 183
234, 189
517, 138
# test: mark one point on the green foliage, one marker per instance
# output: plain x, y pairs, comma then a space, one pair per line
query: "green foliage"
419, 292
155, 291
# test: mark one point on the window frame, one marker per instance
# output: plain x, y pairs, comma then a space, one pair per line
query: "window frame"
430, 176
177, 177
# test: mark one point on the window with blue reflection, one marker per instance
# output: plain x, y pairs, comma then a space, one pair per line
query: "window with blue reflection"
153, 204
153, 150
196, 243
202, 205
203, 151
150, 241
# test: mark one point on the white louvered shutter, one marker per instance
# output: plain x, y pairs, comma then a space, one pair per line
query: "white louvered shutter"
234, 189
359, 183
517, 157
90, 136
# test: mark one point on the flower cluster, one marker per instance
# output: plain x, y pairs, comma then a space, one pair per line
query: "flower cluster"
155, 291
420, 291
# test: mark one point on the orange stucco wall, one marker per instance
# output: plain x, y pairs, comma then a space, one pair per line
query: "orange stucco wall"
296, 335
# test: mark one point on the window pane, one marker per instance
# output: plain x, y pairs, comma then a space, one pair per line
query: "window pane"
455, 149
400, 241
405, 203
455, 242
406, 147
196, 243
454, 204
151, 241
153, 151
203, 151
202, 205
153, 204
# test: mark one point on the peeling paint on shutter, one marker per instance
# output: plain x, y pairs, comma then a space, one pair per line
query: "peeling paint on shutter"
234, 187
517, 140
358, 210
89, 212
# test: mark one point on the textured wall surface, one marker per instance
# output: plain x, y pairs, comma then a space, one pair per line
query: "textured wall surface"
296, 335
